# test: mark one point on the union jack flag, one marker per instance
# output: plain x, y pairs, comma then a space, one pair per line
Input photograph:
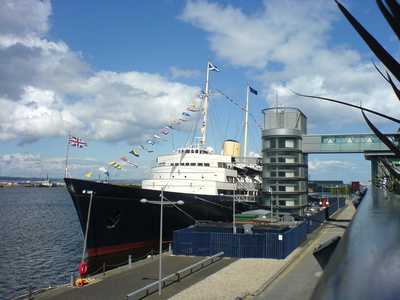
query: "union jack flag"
77, 142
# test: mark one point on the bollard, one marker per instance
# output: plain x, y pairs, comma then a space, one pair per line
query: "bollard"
30, 292
169, 248
72, 279
104, 268
130, 261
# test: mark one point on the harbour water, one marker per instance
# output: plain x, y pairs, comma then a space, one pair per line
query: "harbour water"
40, 239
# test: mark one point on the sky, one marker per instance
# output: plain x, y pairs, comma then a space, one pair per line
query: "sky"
115, 73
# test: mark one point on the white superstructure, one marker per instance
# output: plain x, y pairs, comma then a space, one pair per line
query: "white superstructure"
194, 170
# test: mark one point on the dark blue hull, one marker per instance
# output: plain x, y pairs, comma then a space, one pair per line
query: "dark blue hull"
120, 224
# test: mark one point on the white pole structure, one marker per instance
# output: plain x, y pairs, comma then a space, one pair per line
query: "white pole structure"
161, 238
205, 108
66, 157
234, 211
246, 122
87, 222
337, 196
272, 205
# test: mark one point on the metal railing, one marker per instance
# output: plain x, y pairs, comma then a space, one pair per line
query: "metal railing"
177, 276
247, 186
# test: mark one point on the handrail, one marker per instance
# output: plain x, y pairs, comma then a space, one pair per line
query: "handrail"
177, 274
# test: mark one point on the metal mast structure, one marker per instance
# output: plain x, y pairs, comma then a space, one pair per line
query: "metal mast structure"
203, 129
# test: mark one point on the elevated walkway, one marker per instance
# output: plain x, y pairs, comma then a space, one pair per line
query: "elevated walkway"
346, 143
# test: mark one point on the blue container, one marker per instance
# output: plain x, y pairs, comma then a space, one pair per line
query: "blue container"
206, 241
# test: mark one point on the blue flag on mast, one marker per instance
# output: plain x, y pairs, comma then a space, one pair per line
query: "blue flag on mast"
254, 91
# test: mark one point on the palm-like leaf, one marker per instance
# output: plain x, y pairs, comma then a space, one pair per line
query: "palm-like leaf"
349, 104
390, 167
381, 136
390, 18
384, 56
390, 81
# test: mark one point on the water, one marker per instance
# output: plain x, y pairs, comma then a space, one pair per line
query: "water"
40, 239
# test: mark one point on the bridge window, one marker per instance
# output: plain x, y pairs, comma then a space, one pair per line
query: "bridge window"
192, 164
200, 164
206, 164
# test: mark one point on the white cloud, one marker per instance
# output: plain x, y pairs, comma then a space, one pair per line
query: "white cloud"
24, 17
254, 154
34, 165
183, 73
291, 45
47, 90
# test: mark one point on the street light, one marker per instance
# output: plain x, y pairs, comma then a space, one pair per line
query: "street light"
161, 203
337, 196
270, 201
234, 208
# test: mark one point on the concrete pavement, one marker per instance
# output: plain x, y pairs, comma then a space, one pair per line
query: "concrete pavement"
117, 283
300, 278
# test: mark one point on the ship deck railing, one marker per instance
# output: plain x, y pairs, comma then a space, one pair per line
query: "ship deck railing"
174, 277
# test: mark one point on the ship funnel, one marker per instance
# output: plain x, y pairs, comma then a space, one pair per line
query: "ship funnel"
232, 148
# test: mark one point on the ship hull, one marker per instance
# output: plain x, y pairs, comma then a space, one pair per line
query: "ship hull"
121, 225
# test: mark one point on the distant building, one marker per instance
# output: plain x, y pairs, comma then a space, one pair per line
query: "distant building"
320, 186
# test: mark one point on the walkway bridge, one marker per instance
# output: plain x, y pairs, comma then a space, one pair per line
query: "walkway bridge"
346, 143
369, 144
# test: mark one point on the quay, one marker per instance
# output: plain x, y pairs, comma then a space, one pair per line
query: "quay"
227, 278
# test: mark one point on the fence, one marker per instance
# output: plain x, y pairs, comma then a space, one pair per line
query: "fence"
262, 243
335, 204
316, 220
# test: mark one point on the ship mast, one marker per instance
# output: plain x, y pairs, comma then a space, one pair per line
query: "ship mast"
246, 121
203, 129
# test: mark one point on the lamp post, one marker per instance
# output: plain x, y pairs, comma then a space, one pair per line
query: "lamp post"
337, 196
161, 203
234, 207
272, 205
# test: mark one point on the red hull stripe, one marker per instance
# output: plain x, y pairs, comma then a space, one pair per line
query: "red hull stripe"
122, 247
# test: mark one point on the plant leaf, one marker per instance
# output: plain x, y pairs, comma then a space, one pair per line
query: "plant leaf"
381, 136
384, 56
393, 22
349, 104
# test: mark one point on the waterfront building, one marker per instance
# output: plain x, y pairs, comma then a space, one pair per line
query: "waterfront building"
285, 166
